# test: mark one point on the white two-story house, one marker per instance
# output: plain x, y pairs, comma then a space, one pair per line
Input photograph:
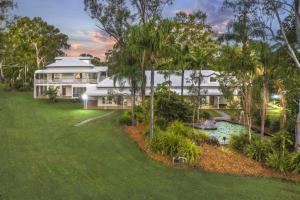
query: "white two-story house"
110, 94
76, 77
71, 75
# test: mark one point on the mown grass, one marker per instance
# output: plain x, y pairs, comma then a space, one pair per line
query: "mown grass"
43, 156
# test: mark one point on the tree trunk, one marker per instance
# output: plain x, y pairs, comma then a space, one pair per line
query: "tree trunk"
297, 18
182, 83
297, 136
290, 49
133, 103
151, 121
265, 98
143, 84
1, 73
199, 97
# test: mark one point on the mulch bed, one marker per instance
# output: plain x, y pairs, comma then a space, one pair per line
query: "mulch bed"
220, 159
136, 134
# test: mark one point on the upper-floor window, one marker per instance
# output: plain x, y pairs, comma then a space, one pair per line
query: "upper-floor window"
55, 76
92, 76
213, 79
78, 76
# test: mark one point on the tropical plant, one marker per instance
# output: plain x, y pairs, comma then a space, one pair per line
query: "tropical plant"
258, 149
168, 105
52, 93
178, 128
174, 146
239, 142
294, 162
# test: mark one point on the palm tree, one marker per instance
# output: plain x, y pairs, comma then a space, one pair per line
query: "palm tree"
125, 66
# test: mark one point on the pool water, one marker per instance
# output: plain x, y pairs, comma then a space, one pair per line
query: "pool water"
226, 129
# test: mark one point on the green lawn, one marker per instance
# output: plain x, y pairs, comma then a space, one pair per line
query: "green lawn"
43, 156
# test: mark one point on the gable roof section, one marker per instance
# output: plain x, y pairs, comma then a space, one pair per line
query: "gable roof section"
159, 78
70, 62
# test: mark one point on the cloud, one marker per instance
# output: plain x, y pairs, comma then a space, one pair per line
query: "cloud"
93, 42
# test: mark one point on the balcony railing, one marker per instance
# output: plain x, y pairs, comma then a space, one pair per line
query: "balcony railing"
65, 81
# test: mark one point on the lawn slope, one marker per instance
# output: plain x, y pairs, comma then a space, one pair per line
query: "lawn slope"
43, 156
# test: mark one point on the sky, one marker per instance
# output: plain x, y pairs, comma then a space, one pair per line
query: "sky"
84, 36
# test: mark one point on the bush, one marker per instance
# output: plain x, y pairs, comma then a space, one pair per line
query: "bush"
277, 161
258, 150
161, 122
283, 142
178, 128
174, 146
125, 118
168, 105
294, 162
275, 126
239, 142
205, 115
200, 138
212, 140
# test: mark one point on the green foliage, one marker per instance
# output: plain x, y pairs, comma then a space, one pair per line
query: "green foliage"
283, 142
294, 162
201, 137
125, 118
277, 161
205, 115
174, 145
212, 140
168, 105
52, 94
258, 150
178, 128
239, 142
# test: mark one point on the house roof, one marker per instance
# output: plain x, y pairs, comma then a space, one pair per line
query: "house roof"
70, 70
161, 77
71, 62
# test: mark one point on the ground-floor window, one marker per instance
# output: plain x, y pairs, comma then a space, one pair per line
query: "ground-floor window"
78, 91
41, 90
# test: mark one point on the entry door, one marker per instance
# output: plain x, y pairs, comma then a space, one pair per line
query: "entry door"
64, 92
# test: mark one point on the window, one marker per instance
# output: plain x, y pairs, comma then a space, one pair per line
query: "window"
78, 76
78, 91
55, 76
110, 100
92, 76
213, 79
103, 100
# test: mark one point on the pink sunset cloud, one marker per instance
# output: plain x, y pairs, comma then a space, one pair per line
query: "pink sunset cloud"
96, 44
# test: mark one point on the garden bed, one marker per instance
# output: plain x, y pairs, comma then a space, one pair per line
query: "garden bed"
220, 159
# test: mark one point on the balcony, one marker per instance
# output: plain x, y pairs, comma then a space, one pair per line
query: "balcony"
65, 81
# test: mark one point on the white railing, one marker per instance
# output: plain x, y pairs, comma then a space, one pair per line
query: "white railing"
65, 81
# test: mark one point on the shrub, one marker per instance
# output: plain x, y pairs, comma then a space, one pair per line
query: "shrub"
174, 146
282, 142
258, 150
125, 118
212, 140
200, 137
277, 161
275, 126
168, 105
178, 128
52, 94
294, 162
161, 122
205, 115
239, 142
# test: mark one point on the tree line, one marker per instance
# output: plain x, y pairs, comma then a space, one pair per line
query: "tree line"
254, 56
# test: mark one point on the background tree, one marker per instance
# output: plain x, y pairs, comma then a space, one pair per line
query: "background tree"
31, 44
5, 7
